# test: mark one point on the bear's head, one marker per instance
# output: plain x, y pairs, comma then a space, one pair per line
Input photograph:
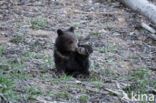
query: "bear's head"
66, 40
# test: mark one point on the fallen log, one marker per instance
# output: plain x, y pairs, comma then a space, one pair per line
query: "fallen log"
143, 7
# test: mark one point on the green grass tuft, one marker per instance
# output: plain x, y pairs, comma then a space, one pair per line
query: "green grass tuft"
7, 91
76, 25
96, 33
62, 95
83, 98
140, 81
97, 84
38, 23
17, 38
2, 50
33, 92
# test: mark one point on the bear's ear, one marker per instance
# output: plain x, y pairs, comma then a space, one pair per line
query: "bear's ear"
59, 32
71, 29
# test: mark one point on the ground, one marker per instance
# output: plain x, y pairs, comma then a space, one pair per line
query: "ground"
123, 61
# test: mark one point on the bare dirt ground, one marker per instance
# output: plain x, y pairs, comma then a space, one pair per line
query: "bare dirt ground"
124, 57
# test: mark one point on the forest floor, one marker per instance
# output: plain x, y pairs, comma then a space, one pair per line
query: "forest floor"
123, 61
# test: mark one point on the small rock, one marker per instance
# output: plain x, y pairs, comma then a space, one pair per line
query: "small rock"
78, 82
116, 34
122, 20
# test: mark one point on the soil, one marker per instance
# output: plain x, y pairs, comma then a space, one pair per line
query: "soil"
119, 46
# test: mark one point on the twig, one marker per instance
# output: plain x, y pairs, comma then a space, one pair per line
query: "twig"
98, 13
96, 90
150, 29
124, 94
147, 27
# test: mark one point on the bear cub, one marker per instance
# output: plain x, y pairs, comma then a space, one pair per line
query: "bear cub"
70, 57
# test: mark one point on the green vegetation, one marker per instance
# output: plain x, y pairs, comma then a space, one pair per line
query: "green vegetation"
10, 71
37, 56
68, 86
83, 98
7, 91
62, 95
140, 82
49, 93
96, 33
94, 78
78, 35
65, 78
76, 25
35, 47
33, 92
61, 78
111, 1
153, 84
18, 25
45, 61
19, 75
108, 72
13, 64
108, 28
49, 59
53, 82
106, 49
140, 78
16, 66
134, 57
28, 73
38, 23
24, 59
97, 84
17, 38
143, 30
27, 53
2, 50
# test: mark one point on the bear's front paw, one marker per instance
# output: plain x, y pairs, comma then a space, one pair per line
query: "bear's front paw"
81, 50
89, 49
85, 49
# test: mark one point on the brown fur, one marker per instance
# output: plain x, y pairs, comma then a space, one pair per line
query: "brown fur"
71, 58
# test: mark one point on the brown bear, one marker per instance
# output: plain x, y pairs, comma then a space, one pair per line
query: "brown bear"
70, 57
